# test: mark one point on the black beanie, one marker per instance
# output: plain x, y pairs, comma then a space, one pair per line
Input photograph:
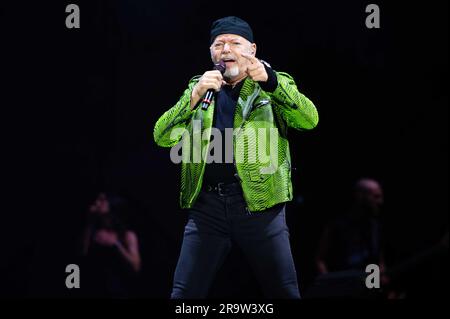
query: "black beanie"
232, 25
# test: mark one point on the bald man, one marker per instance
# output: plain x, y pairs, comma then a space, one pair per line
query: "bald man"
353, 240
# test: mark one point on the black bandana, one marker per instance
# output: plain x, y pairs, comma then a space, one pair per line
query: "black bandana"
231, 25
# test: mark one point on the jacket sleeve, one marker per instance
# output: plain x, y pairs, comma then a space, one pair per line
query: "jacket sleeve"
175, 119
295, 108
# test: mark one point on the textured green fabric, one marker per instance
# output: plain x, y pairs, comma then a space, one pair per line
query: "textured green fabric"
264, 183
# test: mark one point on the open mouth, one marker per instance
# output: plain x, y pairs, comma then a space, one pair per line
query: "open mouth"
229, 60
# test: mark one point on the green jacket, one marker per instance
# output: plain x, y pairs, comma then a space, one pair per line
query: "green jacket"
261, 121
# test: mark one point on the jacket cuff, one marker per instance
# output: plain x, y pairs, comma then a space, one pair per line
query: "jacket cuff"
271, 84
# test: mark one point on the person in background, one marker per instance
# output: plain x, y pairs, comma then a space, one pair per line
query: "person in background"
353, 241
110, 249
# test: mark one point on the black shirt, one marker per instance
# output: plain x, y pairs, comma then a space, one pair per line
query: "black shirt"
225, 106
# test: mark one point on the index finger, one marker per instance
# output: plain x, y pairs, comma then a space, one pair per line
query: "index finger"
251, 58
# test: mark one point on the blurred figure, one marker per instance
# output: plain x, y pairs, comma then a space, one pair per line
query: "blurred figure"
348, 245
111, 250
353, 241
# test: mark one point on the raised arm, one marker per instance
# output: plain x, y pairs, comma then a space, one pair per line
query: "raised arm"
295, 108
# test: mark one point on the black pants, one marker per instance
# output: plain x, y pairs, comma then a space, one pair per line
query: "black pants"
214, 222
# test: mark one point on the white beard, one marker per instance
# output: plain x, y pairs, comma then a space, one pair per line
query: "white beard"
231, 72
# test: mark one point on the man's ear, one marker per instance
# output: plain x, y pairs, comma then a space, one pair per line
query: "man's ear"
253, 49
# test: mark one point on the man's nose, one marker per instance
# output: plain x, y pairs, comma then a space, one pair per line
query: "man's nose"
226, 47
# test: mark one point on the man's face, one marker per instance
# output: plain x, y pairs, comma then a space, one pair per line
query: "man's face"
371, 195
375, 196
229, 48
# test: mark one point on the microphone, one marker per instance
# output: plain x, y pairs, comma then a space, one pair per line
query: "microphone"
221, 66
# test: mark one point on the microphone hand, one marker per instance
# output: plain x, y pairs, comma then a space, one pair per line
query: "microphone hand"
210, 80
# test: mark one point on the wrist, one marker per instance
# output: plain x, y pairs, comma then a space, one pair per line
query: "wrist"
194, 98
271, 83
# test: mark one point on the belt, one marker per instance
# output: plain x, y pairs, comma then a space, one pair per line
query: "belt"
223, 189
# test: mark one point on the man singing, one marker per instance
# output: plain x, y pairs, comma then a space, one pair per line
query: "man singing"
236, 167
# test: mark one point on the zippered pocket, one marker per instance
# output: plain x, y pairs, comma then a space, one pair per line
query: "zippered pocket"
261, 103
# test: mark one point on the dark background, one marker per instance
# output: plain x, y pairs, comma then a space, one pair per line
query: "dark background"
79, 107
